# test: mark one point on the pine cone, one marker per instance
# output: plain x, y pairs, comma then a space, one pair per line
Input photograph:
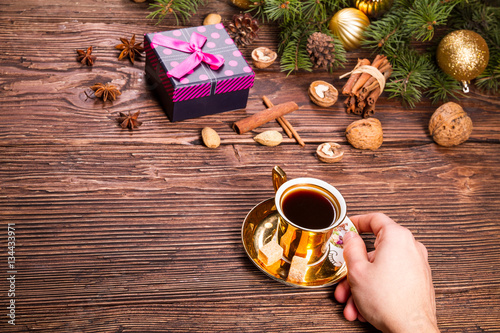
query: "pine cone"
243, 29
320, 47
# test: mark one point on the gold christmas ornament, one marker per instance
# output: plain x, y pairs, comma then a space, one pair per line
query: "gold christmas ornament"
348, 25
463, 54
374, 8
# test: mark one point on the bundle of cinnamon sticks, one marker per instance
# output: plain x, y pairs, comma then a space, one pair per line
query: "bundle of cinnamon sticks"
363, 89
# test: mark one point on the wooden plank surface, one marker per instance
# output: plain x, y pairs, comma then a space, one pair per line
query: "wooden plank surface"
120, 231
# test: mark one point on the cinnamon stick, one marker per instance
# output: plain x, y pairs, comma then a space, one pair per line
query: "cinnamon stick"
287, 127
369, 111
280, 120
372, 82
283, 125
350, 103
361, 104
373, 96
346, 90
365, 76
357, 110
294, 132
264, 116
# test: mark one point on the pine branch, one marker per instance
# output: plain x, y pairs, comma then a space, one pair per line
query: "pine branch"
182, 9
442, 87
257, 10
490, 79
282, 10
294, 55
385, 35
411, 72
424, 15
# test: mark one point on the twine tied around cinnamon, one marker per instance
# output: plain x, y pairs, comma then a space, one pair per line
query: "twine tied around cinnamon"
373, 71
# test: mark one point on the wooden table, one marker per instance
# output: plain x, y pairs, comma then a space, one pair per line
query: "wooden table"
121, 231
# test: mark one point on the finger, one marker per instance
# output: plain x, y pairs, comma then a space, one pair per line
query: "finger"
423, 250
342, 291
371, 256
350, 310
373, 222
354, 249
361, 318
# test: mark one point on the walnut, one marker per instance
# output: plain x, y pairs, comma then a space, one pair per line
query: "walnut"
450, 125
365, 134
329, 152
323, 93
263, 57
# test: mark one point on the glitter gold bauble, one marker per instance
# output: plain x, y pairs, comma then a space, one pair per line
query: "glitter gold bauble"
374, 8
348, 25
463, 54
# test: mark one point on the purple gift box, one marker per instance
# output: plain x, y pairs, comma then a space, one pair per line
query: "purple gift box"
197, 71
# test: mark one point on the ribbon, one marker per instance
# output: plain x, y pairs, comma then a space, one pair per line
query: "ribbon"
373, 71
194, 46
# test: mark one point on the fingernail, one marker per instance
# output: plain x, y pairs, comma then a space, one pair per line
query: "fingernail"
348, 236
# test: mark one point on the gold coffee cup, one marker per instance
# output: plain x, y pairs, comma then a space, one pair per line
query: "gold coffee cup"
309, 210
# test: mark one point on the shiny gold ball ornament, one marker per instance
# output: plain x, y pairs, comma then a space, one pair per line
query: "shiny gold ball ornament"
348, 25
374, 8
463, 54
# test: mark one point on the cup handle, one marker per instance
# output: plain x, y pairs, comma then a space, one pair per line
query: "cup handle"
279, 177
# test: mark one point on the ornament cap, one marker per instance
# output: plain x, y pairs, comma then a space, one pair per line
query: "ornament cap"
466, 87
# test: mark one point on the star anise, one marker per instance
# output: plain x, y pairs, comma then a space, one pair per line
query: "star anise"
105, 91
86, 57
129, 121
129, 48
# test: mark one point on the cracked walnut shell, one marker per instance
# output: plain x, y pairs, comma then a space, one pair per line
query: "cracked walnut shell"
365, 134
450, 125
263, 57
329, 152
323, 93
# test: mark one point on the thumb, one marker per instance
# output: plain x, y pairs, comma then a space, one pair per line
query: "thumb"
354, 249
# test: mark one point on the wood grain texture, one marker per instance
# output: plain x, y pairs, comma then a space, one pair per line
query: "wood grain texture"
120, 231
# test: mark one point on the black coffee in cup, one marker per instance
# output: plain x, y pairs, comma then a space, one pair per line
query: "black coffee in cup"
308, 208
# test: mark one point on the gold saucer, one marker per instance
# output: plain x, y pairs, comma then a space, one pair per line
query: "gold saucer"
259, 228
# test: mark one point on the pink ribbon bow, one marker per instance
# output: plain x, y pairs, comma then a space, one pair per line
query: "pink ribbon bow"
194, 47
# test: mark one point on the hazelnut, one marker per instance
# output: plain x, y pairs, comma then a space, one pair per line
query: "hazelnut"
450, 125
365, 134
263, 57
329, 152
323, 93
212, 19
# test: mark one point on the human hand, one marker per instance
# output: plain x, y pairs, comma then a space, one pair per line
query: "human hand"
390, 287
